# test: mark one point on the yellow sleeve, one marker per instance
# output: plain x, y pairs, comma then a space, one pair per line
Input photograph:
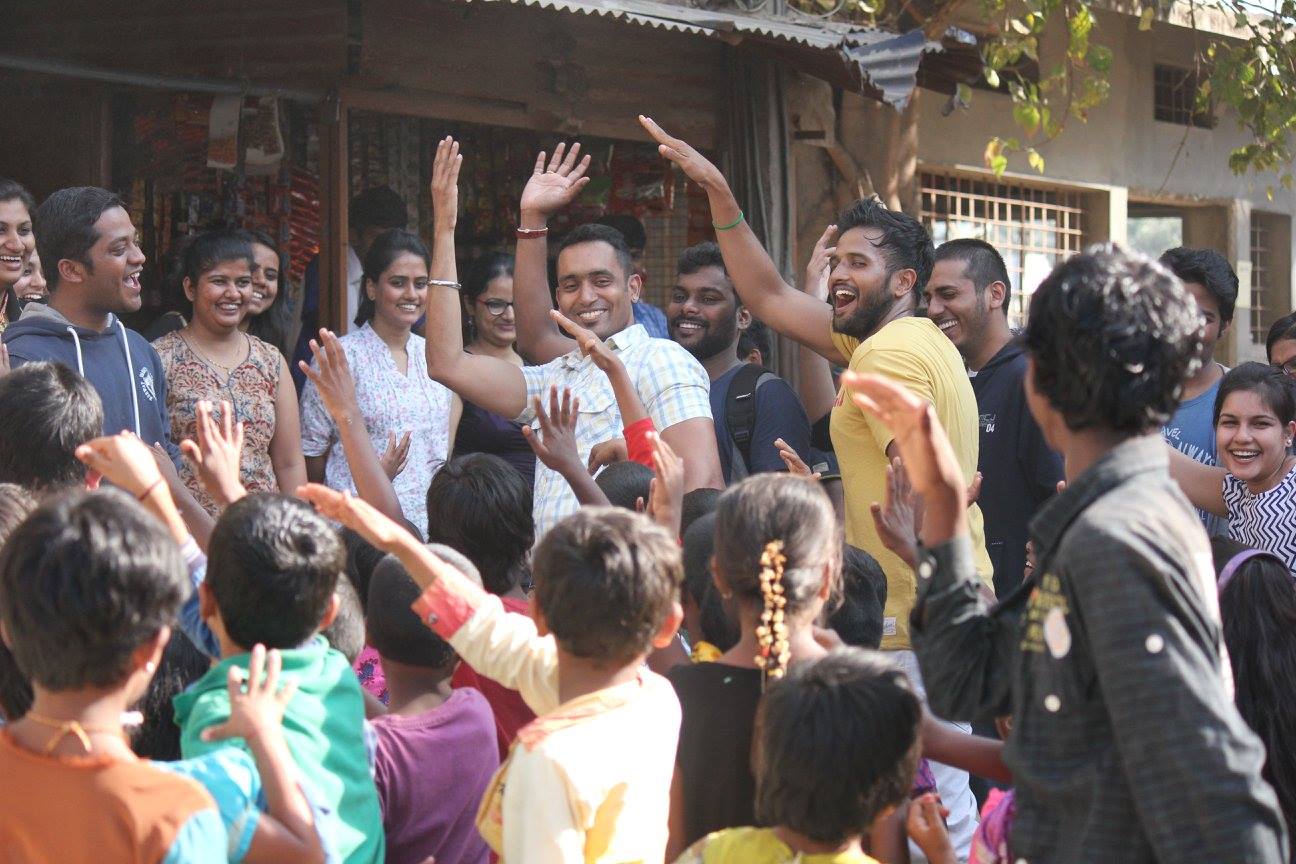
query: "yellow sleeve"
844, 344
542, 824
505, 647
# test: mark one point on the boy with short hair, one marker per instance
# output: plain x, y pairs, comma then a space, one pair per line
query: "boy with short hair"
436, 746
589, 780
47, 411
271, 579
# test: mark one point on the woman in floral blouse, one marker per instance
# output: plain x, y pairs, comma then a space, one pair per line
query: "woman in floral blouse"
211, 359
395, 394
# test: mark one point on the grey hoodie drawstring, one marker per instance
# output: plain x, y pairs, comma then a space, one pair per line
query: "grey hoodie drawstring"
130, 365
76, 340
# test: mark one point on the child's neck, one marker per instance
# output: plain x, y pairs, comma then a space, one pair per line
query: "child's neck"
579, 677
97, 713
801, 641
413, 690
802, 844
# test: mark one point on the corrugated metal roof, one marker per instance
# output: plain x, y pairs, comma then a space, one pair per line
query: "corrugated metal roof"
866, 59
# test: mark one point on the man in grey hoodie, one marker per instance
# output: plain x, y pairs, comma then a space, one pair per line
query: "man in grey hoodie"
92, 264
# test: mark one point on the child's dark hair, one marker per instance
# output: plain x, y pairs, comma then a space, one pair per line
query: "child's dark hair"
480, 505
272, 569
699, 545
16, 503
394, 631
1258, 611
1283, 328
361, 559
606, 580
699, 255
755, 337
383, 252
275, 324
181, 665
1275, 389
1207, 268
1113, 336
793, 514
209, 249
65, 227
46, 412
593, 232
905, 242
481, 273
347, 632
858, 620
625, 482
698, 503
837, 744
86, 580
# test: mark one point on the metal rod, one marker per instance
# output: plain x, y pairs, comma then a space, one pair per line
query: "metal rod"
156, 82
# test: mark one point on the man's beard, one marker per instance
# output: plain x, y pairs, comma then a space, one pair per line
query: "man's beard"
715, 339
869, 315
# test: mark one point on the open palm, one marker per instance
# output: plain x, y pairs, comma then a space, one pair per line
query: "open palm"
556, 183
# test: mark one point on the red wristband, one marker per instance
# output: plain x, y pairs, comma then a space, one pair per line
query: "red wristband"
532, 233
638, 447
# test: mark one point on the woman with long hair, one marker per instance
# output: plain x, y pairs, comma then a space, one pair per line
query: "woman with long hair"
17, 245
271, 311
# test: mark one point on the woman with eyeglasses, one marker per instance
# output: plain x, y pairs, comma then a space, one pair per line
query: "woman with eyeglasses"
409, 417
489, 329
1281, 344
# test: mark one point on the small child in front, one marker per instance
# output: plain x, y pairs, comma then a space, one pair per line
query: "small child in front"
589, 779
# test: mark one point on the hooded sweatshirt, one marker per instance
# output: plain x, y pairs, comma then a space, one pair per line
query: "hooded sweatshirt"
118, 363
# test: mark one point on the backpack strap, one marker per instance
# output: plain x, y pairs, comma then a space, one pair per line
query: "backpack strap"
740, 413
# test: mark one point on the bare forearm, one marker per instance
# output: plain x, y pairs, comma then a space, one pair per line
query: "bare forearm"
628, 402
444, 339
815, 383
198, 520
583, 486
538, 336
284, 798
371, 482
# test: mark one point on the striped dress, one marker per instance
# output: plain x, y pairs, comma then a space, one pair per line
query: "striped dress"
1265, 521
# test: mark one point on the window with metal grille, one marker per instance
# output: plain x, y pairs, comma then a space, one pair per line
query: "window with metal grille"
1174, 97
1033, 227
1261, 274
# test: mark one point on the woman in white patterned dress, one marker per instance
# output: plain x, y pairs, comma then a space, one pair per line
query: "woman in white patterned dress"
395, 395
1255, 423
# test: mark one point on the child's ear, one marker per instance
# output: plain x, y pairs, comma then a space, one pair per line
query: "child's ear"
207, 607
149, 655
721, 584
542, 626
331, 613
670, 626
826, 586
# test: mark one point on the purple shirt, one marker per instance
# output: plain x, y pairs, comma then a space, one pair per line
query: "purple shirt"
431, 771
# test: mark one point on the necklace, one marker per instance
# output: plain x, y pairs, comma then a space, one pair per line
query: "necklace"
75, 728
203, 356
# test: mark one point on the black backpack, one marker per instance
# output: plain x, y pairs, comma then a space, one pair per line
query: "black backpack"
740, 416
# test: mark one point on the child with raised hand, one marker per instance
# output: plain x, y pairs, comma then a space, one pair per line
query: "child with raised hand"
589, 779
436, 746
837, 748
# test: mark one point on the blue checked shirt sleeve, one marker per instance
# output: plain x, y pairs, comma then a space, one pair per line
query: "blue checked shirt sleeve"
673, 385
537, 379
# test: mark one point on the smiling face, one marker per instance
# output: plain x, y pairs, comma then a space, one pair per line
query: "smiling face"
221, 296
112, 282
594, 289
265, 279
1251, 441
34, 284
492, 312
703, 313
860, 288
17, 242
400, 295
1212, 327
956, 307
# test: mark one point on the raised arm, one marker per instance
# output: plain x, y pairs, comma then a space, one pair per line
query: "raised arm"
1202, 484
814, 372
755, 277
493, 384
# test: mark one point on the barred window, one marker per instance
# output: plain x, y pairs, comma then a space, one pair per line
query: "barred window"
1033, 227
1174, 97
1261, 277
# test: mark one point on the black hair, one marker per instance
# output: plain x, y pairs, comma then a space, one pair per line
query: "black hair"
383, 252
1113, 337
11, 190
858, 620
1208, 269
696, 504
480, 505
1274, 388
394, 630
201, 252
755, 336
347, 632
905, 242
272, 568
86, 580
361, 559
46, 412
1258, 613
629, 227
182, 664
625, 482
982, 264
377, 207
1283, 328
606, 581
699, 545
275, 325
481, 273
16, 503
699, 255
837, 744
65, 226
593, 232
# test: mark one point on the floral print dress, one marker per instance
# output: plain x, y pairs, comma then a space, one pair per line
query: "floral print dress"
251, 388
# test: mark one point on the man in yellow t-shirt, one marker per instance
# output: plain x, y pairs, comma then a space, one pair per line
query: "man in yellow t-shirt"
878, 269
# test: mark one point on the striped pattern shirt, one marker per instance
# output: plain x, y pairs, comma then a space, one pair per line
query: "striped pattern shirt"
1266, 521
